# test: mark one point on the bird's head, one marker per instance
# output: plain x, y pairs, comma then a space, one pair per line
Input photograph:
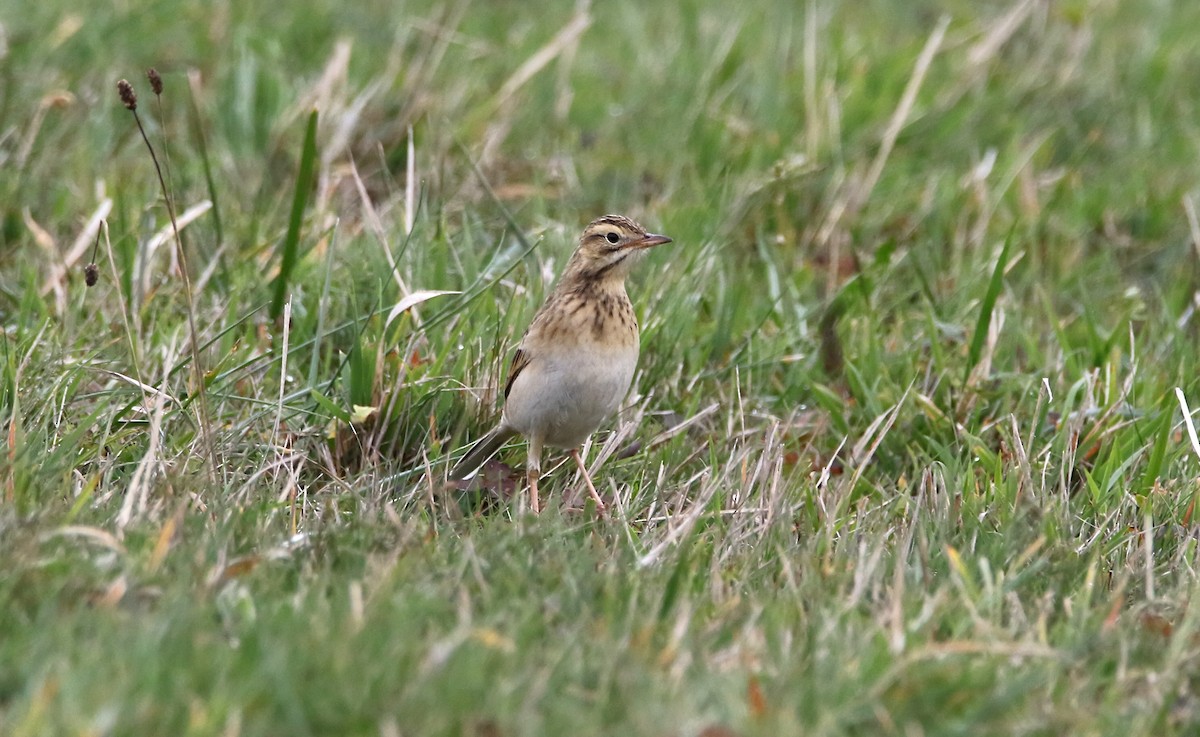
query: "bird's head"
609, 247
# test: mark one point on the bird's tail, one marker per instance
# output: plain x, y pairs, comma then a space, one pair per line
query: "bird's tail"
483, 450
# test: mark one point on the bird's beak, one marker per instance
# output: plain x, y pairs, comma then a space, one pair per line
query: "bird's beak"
648, 241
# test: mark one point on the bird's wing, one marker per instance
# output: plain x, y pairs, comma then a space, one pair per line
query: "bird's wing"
519, 361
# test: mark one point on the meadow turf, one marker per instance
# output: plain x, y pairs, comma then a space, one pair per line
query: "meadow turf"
907, 451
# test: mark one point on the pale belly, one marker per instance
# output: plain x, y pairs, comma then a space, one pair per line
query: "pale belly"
564, 398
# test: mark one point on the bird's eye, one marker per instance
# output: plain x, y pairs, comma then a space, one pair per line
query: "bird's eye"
613, 237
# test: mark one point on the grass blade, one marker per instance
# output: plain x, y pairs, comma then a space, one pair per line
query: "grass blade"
289, 249
986, 307
205, 162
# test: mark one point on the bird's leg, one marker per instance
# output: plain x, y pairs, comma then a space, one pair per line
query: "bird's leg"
533, 491
533, 467
588, 480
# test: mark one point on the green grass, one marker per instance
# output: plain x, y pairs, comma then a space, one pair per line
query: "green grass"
935, 478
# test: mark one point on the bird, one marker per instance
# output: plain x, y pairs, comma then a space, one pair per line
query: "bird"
575, 362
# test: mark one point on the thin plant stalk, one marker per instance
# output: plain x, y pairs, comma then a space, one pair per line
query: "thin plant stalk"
130, 100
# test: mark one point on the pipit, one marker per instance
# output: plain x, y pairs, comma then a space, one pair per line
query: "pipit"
576, 361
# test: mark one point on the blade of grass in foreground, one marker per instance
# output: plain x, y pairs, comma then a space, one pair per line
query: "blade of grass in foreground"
289, 249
